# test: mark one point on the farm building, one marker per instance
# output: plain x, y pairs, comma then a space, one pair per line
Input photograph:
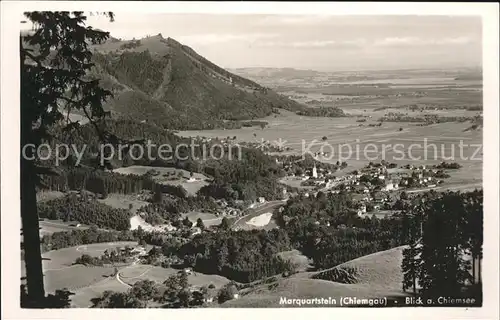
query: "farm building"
141, 251
169, 228
195, 231
389, 186
380, 197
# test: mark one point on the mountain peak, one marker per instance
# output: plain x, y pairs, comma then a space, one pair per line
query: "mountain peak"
165, 82
173, 42
155, 37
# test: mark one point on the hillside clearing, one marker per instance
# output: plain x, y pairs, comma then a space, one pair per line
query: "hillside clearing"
170, 176
209, 219
136, 222
380, 270
75, 277
82, 297
379, 275
63, 258
135, 273
260, 220
50, 226
269, 295
121, 201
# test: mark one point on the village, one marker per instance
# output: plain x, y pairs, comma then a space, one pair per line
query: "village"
374, 188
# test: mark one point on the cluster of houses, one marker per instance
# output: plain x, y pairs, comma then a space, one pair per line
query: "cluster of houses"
414, 177
226, 210
371, 188
355, 182
423, 177
225, 142
139, 251
377, 201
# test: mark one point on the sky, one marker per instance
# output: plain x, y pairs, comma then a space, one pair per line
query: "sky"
324, 42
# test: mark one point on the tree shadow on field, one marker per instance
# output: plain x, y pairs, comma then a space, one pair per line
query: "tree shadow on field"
59, 300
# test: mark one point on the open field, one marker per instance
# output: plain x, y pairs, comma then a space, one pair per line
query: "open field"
164, 175
135, 273
358, 145
75, 277
269, 295
121, 201
372, 95
295, 182
82, 297
209, 219
380, 271
60, 272
65, 257
51, 226
136, 222
261, 220
454, 188
379, 276
395, 88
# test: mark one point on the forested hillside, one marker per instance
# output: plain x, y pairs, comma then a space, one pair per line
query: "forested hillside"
162, 81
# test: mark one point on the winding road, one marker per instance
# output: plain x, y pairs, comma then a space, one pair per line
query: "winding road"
131, 265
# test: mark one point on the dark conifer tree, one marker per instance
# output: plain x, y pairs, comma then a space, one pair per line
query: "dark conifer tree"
54, 60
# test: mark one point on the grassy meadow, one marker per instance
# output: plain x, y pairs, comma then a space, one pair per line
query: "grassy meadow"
347, 141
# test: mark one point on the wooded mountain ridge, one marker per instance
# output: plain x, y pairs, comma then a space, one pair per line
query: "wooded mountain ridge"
162, 81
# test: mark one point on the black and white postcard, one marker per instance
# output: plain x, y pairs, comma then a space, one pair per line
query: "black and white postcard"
292, 159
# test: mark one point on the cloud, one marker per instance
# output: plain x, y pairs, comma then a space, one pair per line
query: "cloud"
355, 43
207, 39
459, 40
294, 19
369, 45
415, 41
324, 43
